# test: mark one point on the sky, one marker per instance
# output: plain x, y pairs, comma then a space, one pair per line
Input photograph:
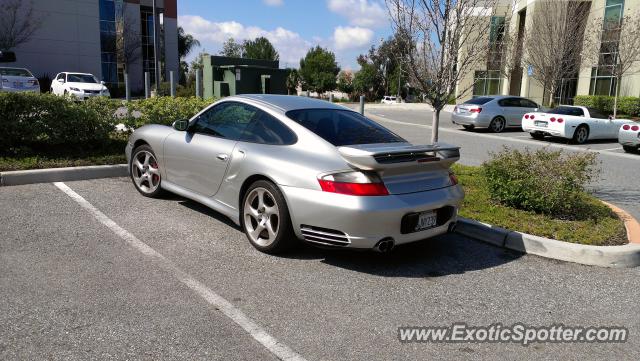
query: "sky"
346, 27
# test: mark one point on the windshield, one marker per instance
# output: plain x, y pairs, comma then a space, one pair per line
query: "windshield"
15, 72
343, 127
567, 111
81, 78
478, 100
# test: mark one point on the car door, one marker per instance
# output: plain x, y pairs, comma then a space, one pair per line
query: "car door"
510, 108
197, 159
56, 85
600, 127
526, 106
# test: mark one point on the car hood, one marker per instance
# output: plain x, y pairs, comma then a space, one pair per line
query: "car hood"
86, 86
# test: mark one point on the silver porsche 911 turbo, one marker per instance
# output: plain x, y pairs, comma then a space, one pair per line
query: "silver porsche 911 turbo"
286, 167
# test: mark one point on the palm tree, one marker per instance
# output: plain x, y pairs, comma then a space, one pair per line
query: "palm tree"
186, 43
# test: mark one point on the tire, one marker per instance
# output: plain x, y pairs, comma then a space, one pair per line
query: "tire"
144, 171
467, 126
497, 125
263, 207
581, 135
629, 149
537, 136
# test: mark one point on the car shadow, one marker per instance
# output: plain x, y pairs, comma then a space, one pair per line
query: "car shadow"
207, 211
487, 131
439, 256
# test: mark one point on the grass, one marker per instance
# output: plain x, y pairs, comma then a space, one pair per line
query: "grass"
21, 159
605, 230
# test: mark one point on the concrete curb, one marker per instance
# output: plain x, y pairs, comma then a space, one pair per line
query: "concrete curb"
19, 177
627, 255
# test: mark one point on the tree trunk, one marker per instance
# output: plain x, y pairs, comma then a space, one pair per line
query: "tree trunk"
615, 98
434, 126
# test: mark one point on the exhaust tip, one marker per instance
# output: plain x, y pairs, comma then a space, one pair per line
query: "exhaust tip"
385, 245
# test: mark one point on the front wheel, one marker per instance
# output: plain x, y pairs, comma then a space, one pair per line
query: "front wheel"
265, 218
581, 135
145, 172
629, 149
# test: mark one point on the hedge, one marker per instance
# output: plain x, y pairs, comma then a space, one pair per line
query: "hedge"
37, 121
626, 105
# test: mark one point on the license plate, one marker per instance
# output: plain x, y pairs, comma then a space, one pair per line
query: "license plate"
426, 220
540, 124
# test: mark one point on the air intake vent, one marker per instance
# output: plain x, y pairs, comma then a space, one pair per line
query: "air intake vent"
324, 236
405, 157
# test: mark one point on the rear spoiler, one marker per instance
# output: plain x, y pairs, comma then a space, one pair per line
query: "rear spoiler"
388, 156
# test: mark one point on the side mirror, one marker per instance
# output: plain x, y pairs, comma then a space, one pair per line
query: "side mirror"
181, 125
102, 82
60, 80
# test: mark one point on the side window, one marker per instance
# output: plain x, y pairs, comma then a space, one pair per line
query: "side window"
577, 112
266, 129
226, 120
509, 102
526, 103
60, 76
595, 113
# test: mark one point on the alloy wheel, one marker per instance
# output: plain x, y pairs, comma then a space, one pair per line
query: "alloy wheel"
581, 135
497, 125
145, 171
261, 217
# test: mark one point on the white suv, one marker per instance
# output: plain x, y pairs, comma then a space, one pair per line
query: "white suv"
389, 99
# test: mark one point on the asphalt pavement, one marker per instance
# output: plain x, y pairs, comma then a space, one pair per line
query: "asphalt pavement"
90, 281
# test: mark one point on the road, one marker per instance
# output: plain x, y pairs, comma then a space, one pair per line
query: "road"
618, 182
110, 274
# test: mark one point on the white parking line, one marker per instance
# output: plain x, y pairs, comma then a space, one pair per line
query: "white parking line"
511, 139
274, 346
611, 149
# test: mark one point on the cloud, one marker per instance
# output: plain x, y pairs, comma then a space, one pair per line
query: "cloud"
273, 2
290, 45
360, 12
350, 37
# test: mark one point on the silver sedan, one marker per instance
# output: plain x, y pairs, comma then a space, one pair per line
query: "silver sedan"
496, 112
287, 167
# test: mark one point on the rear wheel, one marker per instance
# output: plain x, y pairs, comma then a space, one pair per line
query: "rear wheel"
629, 149
265, 218
467, 126
145, 172
538, 136
497, 125
581, 135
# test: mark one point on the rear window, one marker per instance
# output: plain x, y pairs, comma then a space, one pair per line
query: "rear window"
578, 112
343, 127
478, 100
15, 72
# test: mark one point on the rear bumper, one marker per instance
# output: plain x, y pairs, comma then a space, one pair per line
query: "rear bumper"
528, 126
365, 221
477, 120
629, 138
21, 90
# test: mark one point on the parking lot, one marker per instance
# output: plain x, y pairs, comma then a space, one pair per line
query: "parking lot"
91, 269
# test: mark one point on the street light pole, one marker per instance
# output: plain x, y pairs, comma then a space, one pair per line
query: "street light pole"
156, 58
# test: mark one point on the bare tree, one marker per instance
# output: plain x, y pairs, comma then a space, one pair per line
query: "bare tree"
553, 42
614, 47
128, 41
17, 23
448, 39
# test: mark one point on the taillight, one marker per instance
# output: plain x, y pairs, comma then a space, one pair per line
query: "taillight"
635, 128
453, 178
475, 110
455, 110
353, 183
526, 116
531, 116
626, 127
560, 120
553, 119
33, 82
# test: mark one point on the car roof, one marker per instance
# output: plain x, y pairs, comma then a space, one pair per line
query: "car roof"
285, 103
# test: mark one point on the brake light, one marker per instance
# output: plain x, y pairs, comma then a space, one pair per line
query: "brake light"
453, 178
33, 82
560, 120
635, 128
455, 110
475, 110
553, 119
626, 127
531, 116
526, 116
353, 183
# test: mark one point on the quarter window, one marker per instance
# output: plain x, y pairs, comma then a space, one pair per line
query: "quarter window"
266, 129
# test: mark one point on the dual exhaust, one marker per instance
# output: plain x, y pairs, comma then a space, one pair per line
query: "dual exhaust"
386, 245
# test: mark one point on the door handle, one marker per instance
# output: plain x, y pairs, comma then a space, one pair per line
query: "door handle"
222, 157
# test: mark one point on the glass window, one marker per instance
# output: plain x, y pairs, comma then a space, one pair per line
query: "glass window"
15, 72
595, 113
266, 129
107, 10
343, 127
227, 120
478, 101
578, 112
509, 102
526, 103
81, 78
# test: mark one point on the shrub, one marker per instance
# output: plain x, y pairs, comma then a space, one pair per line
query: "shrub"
45, 120
162, 110
626, 105
542, 181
